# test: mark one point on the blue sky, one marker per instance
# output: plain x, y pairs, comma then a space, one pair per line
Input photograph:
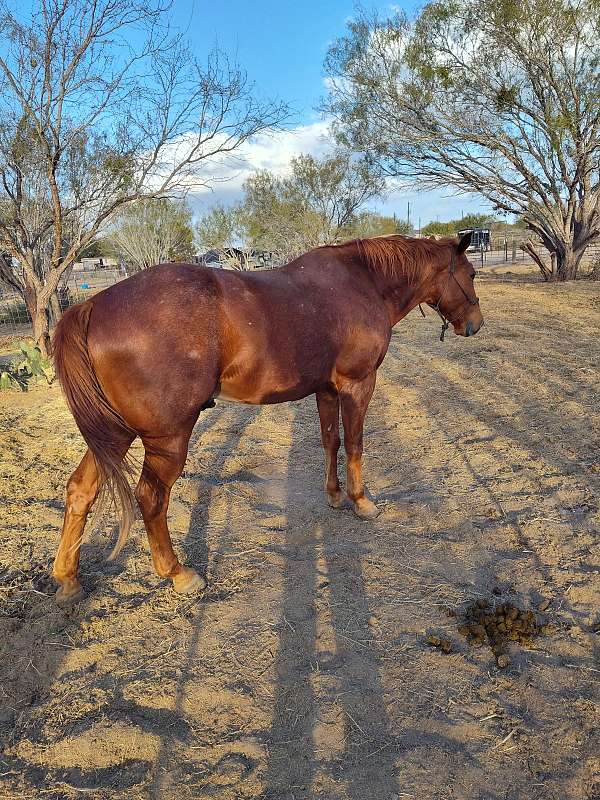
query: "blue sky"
282, 45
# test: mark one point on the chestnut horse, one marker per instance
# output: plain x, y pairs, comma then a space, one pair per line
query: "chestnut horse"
145, 356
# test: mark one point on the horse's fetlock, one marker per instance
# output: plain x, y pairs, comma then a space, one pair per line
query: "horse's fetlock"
167, 572
356, 497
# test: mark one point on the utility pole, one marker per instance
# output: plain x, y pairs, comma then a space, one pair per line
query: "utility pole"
408, 214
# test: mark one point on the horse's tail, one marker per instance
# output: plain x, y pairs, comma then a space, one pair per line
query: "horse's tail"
105, 431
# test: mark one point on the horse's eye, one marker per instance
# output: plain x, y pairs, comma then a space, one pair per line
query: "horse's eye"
472, 276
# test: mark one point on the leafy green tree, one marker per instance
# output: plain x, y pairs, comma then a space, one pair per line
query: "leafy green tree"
335, 187
317, 203
368, 223
404, 227
219, 228
452, 227
475, 221
275, 216
439, 229
487, 96
153, 231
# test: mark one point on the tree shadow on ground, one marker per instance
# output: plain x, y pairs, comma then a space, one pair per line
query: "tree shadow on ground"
27, 681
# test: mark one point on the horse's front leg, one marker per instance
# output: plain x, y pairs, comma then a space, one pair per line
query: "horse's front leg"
328, 404
355, 397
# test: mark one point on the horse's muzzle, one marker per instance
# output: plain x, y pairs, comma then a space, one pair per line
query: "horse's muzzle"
471, 330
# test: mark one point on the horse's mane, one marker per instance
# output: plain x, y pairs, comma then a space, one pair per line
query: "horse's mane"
400, 256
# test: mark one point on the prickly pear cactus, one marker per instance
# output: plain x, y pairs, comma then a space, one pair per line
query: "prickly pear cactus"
31, 365
8, 381
34, 363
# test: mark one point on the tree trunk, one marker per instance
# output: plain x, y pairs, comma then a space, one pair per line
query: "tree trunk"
55, 309
40, 317
567, 264
41, 328
566, 251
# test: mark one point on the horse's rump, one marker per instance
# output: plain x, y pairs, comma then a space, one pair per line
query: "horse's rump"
105, 431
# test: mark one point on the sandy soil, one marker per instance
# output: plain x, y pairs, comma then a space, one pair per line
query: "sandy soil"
304, 670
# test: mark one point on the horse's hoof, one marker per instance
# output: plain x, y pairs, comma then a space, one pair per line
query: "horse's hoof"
68, 593
188, 581
365, 508
335, 500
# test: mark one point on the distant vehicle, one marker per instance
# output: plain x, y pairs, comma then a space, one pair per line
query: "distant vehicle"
480, 238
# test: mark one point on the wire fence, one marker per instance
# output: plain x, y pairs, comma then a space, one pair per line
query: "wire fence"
15, 319
509, 250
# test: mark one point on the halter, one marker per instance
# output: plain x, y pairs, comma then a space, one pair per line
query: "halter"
447, 321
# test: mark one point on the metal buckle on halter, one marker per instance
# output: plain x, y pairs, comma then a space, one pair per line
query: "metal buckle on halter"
445, 322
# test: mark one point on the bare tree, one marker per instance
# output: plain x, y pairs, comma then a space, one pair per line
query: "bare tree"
499, 99
149, 232
91, 121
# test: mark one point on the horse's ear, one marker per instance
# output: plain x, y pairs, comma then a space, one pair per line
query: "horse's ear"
465, 241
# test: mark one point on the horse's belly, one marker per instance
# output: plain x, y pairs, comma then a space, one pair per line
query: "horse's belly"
275, 371
224, 395
264, 393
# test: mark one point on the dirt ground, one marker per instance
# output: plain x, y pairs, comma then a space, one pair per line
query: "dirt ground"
304, 670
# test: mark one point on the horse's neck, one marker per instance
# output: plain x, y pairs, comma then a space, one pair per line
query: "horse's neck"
400, 295
400, 292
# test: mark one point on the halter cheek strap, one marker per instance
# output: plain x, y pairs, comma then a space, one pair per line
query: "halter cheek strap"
446, 321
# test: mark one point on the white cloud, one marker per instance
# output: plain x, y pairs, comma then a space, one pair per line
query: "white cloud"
274, 151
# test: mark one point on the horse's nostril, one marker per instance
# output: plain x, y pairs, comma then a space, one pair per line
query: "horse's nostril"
469, 329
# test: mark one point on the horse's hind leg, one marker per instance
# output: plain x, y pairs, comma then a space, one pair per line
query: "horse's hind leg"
328, 404
163, 464
355, 397
82, 490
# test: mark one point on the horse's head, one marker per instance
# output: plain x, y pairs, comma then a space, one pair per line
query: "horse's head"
452, 293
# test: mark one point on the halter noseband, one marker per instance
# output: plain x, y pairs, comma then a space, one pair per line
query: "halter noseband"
446, 321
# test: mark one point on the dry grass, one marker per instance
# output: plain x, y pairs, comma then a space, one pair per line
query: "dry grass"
304, 671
